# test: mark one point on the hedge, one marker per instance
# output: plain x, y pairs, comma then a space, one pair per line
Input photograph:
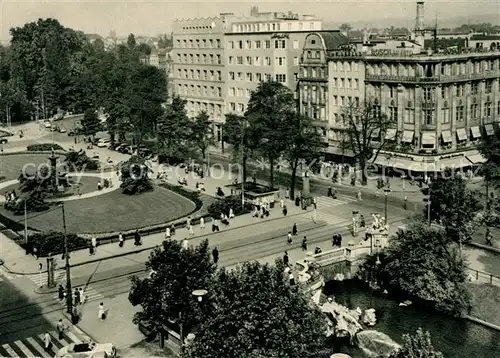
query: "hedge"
53, 243
222, 205
44, 147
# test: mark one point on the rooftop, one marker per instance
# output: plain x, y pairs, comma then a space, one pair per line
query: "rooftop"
333, 39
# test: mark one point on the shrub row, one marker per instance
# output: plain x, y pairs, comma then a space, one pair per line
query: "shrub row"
44, 147
223, 205
53, 243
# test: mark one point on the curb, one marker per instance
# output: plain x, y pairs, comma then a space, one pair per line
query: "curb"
81, 332
482, 323
483, 247
144, 248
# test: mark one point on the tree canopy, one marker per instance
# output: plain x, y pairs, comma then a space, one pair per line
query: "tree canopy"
256, 313
418, 345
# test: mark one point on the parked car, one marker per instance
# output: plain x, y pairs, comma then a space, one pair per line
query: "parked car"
86, 350
62, 130
47, 124
103, 142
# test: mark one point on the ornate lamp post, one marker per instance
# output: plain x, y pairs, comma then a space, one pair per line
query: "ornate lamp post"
69, 295
386, 193
199, 294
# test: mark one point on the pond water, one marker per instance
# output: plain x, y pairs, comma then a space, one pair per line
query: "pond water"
455, 338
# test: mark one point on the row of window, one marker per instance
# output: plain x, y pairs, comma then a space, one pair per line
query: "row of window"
199, 43
210, 108
256, 61
346, 66
257, 77
237, 107
313, 72
205, 75
258, 44
344, 100
240, 92
272, 26
201, 91
205, 59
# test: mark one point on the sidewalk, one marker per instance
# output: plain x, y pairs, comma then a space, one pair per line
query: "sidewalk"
17, 262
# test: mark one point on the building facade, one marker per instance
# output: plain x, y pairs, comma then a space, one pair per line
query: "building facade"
198, 65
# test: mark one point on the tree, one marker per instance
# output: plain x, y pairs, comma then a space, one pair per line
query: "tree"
202, 134
345, 27
131, 42
267, 113
416, 346
90, 123
135, 176
167, 294
173, 133
304, 143
256, 313
454, 206
363, 123
422, 263
490, 149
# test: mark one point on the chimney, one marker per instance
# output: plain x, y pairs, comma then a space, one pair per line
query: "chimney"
419, 25
419, 22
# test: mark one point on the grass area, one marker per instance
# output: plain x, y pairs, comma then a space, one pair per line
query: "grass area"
485, 302
147, 349
12, 165
85, 184
111, 212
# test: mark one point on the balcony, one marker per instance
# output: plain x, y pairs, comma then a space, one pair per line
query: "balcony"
435, 79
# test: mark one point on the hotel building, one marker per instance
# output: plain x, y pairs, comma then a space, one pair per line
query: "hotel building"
441, 103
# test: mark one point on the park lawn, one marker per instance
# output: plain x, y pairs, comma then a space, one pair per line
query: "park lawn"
11, 165
87, 185
485, 302
111, 212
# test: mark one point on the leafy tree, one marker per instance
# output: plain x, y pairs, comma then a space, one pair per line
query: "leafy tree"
267, 113
304, 143
165, 42
421, 262
256, 313
167, 294
202, 134
173, 130
345, 27
135, 176
90, 123
131, 42
144, 49
454, 206
236, 132
416, 346
363, 123
490, 149
80, 161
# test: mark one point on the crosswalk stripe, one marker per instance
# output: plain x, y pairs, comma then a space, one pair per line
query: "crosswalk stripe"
9, 350
73, 338
40, 338
15, 348
23, 348
42, 280
3, 352
54, 338
39, 349
91, 293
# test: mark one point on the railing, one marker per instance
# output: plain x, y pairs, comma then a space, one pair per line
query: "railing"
341, 254
434, 79
485, 277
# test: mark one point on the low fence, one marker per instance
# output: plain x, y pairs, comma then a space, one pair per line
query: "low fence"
483, 277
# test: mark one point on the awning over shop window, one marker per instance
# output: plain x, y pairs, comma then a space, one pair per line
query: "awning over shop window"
461, 134
476, 159
428, 138
390, 134
489, 129
476, 133
408, 136
446, 135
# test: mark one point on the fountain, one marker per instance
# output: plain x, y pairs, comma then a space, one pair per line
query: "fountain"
374, 343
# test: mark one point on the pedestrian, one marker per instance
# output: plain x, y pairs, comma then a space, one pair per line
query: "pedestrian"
286, 259
102, 312
317, 250
291, 277
120, 240
77, 297
314, 215
185, 244
215, 255
362, 221
202, 222
60, 329
137, 238
216, 225
47, 341
334, 239
172, 229
255, 212
91, 251
167, 233
304, 244
188, 221
294, 229
359, 195
285, 210
289, 238
405, 202
61, 292
339, 240
330, 193
75, 316
82, 295
334, 194
94, 243
287, 193
191, 230
231, 213
282, 203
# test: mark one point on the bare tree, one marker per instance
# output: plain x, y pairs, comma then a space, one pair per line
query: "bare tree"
365, 128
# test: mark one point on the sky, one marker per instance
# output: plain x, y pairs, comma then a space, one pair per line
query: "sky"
152, 17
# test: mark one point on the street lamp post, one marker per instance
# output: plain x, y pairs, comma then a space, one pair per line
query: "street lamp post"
386, 193
242, 144
199, 294
69, 296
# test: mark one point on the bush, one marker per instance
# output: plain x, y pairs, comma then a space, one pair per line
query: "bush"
223, 205
44, 147
164, 158
80, 161
131, 186
53, 243
135, 176
34, 203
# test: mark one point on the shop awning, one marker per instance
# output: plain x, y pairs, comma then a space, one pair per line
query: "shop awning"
453, 163
446, 135
461, 134
408, 136
390, 134
489, 129
428, 138
476, 133
476, 159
